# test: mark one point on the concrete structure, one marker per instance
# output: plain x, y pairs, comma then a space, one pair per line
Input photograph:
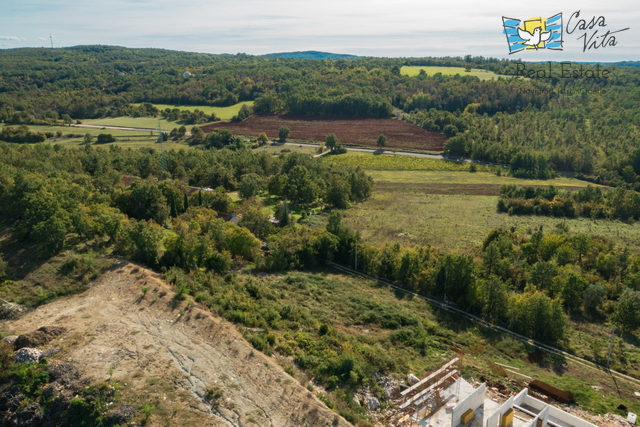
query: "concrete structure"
443, 403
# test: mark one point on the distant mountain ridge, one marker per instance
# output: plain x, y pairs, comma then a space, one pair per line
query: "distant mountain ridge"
311, 54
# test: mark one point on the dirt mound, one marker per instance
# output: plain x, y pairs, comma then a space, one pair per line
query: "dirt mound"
170, 354
38, 338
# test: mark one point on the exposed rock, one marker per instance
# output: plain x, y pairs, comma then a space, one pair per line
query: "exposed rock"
65, 372
122, 414
50, 352
31, 416
356, 399
37, 338
412, 379
11, 339
9, 310
28, 355
371, 403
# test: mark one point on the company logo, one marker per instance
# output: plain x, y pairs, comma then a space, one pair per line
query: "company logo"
533, 33
540, 33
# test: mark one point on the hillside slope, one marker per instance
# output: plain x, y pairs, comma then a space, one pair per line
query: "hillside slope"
169, 353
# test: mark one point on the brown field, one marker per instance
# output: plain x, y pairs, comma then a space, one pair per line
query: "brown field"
355, 131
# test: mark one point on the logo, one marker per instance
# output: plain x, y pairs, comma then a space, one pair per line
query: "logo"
533, 33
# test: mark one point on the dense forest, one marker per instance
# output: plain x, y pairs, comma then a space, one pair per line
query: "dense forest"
588, 126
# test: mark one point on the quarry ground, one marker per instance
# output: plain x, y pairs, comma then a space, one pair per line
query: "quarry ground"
168, 353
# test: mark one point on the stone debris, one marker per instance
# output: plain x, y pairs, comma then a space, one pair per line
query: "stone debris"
122, 414
9, 310
372, 403
11, 339
28, 355
390, 385
412, 379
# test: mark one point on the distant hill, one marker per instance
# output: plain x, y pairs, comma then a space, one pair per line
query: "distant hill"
627, 63
311, 54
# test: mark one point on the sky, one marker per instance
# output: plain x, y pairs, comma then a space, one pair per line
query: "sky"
398, 28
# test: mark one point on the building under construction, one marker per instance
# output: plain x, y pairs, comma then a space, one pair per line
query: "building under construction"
444, 399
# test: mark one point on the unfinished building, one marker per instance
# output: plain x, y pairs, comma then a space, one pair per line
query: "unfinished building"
445, 399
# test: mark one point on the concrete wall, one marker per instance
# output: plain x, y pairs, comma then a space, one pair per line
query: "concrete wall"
494, 419
560, 415
474, 401
535, 403
555, 413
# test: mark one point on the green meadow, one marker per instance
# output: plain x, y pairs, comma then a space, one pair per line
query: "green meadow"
225, 113
414, 70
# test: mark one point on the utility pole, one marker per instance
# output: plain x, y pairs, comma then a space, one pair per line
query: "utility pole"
610, 346
356, 260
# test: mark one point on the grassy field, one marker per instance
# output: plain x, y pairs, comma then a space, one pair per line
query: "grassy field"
279, 148
74, 137
403, 208
134, 122
225, 113
448, 71
457, 177
392, 162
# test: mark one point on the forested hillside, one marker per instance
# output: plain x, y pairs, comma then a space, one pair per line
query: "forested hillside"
583, 125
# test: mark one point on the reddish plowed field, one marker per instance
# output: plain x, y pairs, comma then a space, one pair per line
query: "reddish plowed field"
399, 134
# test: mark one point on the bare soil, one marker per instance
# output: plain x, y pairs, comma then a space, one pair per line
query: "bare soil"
168, 353
400, 134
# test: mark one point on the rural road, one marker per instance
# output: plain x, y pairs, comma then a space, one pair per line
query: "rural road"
482, 322
362, 150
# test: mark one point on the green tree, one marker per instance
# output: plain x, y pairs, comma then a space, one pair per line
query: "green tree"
88, 138
338, 192
300, 187
627, 312
105, 138
381, 141
593, 298
146, 240
331, 141
542, 274
241, 241
263, 138
283, 133
493, 297
573, 286
50, 234
454, 278
538, 316
257, 221
218, 262
250, 185
325, 246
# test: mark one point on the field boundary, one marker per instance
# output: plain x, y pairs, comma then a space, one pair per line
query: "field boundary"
489, 325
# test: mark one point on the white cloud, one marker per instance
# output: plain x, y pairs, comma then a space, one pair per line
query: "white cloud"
12, 38
42, 38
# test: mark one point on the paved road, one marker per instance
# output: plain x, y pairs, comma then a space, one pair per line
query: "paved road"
362, 150
482, 322
122, 128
